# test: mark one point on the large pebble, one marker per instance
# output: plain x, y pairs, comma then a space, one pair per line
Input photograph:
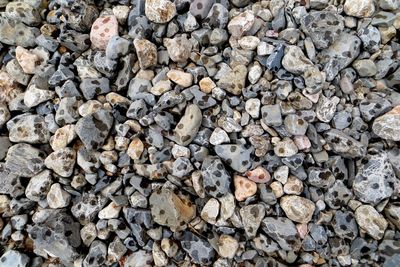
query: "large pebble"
236, 156
359, 8
160, 11
283, 231
344, 145
216, 180
387, 126
298, 209
371, 221
103, 29
179, 48
62, 161
241, 23
28, 128
244, 188
188, 126
146, 52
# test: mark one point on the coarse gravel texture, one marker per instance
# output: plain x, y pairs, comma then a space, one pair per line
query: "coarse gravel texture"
218, 133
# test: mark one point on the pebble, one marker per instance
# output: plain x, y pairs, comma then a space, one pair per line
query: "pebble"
236, 156
27, 60
234, 80
199, 250
360, 9
17, 33
283, 231
181, 78
216, 180
178, 48
297, 208
210, 211
169, 209
103, 29
24, 160
227, 246
146, 52
160, 11
188, 126
62, 161
219, 136
259, 175
369, 220
252, 216
295, 61
365, 67
244, 188
241, 23
387, 126
57, 197
14, 258
344, 145
252, 106
374, 179
285, 148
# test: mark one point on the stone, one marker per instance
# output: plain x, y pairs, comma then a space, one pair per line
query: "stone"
199, 8
216, 180
344, 145
227, 246
392, 212
295, 61
252, 216
274, 60
103, 29
259, 175
241, 23
117, 47
34, 96
387, 126
111, 211
323, 27
360, 9
207, 85
252, 107
178, 48
27, 60
345, 225
188, 126
24, 160
146, 52
365, 67
14, 258
28, 128
135, 149
371, 221
10, 183
57, 197
86, 207
17, 33
63, 137
219, 136
244, 188
297, 208
295, 125
249, 42
4, 114
374, 180
62, 161
283, 231
272, 115
39, 186
140, 258
340, 54
91, 87
23, 12
236, 156
181, 78
170, 210
322, 178
370, 37
199, 250
285, 148
210, 211
93, 129
96, 255
160, 11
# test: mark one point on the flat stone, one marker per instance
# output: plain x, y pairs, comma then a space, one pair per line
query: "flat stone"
170, 210
297, 208
28, 128
236, 156
283, 231
344, 145
374, 180
24, 160
369, 220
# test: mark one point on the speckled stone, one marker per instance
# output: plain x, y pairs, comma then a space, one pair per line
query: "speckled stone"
244, 188
236, 156
160, 11
371, 221
103, 29
146, 52
283, 231
360, 9
387, 126
297, 208
188, 126
216, 180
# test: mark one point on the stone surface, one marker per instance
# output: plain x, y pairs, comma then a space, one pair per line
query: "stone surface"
160, 11
387, 126
360, 9
146, 52
103, 29
297, 208
244, 188
369, 220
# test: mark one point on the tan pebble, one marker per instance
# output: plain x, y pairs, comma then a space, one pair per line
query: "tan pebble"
302, 229
181, 78
206, 85
277, 189
298, 209
293, 186
27, 60
135, 148
259, 175
244, 187
302, 142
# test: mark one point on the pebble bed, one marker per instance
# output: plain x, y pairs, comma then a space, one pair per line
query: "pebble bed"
199, 133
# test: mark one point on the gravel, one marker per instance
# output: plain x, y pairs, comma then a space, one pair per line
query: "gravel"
199, 132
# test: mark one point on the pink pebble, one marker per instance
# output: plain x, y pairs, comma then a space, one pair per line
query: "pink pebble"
102, 30
302, 142
259, 175
302, 230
